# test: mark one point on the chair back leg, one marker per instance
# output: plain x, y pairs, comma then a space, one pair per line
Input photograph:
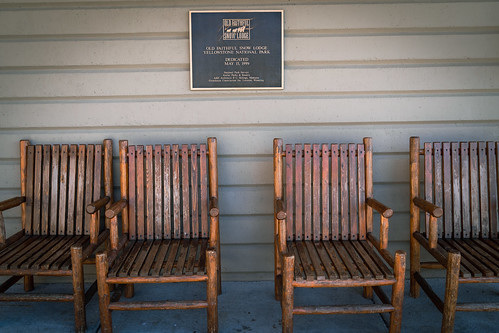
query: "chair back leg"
78, 288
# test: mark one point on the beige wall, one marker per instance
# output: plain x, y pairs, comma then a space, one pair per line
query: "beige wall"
74, 72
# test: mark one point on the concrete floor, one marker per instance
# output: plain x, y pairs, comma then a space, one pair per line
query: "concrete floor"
247, 307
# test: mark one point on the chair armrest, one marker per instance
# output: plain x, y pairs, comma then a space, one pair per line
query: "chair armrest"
116, 208
379, 207
280, 213
214, 211
11, 203
428, 207
97, 205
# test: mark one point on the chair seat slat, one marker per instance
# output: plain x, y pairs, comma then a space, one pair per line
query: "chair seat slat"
316, 262
140, 258
151, 257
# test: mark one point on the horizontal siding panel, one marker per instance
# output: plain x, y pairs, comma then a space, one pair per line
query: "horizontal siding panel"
175, 52
249, 111
297, 17
258, 140
326, 80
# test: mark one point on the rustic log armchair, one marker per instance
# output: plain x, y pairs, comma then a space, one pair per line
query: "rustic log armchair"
323, 229
460, 204
58, 183
169, 211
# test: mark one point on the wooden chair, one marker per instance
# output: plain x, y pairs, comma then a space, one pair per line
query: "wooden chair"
169, 211
460, 205
323, 229
57, 236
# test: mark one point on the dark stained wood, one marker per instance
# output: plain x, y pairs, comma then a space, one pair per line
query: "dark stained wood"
149, 199
63, 189
71, 218
335, 231
361, 192
352, 183
203, 183
176, 191
132, 196
316, 192
89, 190
80, 191
139, 183
325, 197
428, 179
467, 249
186, 227
345, 230
194, 192
36, 224
45, 195
158, 193
299, 192
54, 188
307, 191
167, 199
289, 192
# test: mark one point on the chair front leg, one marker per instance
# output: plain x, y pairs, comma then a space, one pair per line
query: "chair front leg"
104, 293
287, 300
398, 292
78, 288
451, 288
212, 290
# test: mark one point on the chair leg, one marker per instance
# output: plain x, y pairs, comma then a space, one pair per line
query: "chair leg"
415, 253
29, 284
129, 290
368, 292
398, 292
78, 288
104, 293
212, 291
451, 288
287, 301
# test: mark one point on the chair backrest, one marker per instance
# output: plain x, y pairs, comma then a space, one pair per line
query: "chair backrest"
59, 181
462, 179
325, 188
168, 188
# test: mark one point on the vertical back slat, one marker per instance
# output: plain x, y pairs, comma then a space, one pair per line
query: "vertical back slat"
194, 192
23, 144
335, 230
37, 188
47, 152
30, 175
307, 191
368, 152
80, 190
289, 192
437, 155
465, 189
361, 191
97, 181
316, 192
158, 193
352, 184
456, 190
186, 228
89, 182
63, 189
299, 191
132, 193
176, 191
140, 191
149, 193
483, 180
73, 161
167, 199
475, 192
447, 188
428, 179
492, 189
325, 192
344, 191
54, 188
203, 183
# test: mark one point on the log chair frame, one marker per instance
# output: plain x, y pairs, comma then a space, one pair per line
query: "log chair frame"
63, 189
161, 230
303, 240
460, 202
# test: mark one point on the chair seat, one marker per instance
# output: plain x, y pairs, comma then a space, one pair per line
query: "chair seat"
40, 253
160, 258
479, 257
337, 260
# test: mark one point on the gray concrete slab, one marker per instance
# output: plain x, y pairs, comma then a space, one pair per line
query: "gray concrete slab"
247, 307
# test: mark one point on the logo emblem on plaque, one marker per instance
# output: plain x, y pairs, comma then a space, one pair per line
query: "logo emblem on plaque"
236, 29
